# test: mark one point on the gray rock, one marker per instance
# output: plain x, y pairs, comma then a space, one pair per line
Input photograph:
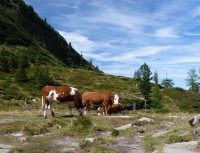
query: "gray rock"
5, 148
146, 119
194, 120
124, 127
90, 139
196, 131
181, 147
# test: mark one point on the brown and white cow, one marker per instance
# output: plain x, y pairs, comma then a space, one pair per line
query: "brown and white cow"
116, 108
61, 94
104, 98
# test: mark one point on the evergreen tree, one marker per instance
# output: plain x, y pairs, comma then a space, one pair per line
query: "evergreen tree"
155, 78
192, 80
137, 75
38, 78
145, 85
156, 95
12, 64
42, 78
167, 83
21, 74
3, 62
47, 78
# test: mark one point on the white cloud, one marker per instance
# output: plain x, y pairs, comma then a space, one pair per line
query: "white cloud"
120, 37
78, 41
166, 32
186, 60
196, 12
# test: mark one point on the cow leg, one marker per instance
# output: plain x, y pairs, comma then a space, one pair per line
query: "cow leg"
87, 108
106, 110
45, 111
52, 112
70, 105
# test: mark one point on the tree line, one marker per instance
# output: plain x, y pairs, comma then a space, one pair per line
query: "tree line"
18, 66
150, 88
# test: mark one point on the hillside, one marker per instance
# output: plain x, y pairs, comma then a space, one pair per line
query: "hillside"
21, 26
174, 100
33, 54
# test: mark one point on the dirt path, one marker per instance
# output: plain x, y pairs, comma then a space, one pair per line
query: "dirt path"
130, 146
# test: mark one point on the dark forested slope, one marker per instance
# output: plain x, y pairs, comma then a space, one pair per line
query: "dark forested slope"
21, 26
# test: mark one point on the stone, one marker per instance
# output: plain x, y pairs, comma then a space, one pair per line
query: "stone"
180, 147
5, 148
146, 119
196, 131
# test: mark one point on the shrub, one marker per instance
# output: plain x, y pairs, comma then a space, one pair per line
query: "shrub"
114, 132
82, 125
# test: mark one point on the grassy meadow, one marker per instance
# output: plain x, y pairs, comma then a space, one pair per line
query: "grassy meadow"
56, 134
24, 128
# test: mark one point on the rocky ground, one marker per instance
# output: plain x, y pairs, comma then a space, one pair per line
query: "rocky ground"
123, 145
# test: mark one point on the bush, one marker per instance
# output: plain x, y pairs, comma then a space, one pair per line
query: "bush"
114, 132
82, 125
37, 128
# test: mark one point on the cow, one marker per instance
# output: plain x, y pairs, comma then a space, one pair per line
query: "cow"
104, 98
61, 94
116, 108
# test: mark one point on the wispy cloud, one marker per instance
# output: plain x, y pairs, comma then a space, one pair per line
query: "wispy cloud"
120, 37
166, 32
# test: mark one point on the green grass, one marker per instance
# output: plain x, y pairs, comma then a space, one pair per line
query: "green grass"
41, 133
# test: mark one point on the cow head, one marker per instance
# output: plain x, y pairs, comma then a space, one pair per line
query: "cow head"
116, 99
80, 111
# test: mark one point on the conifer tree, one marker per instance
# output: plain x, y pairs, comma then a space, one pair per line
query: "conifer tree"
156, 95
21, 74
145, 85
137, 75
167, 83
42, 78
192, 80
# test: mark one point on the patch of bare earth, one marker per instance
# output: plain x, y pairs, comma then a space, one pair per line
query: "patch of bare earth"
130, 146
133, 145
68, 144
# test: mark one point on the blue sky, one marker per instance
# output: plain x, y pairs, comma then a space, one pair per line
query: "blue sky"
120, 36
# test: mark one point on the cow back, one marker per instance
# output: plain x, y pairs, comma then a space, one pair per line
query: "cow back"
97, 98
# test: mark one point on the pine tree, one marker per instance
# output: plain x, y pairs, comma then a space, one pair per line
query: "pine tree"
137, 75
156, 95
12, 64
38, 78
192, 80
145, 85
3, 62
21, 74
42, 78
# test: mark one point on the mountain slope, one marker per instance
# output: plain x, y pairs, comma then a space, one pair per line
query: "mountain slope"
20, 25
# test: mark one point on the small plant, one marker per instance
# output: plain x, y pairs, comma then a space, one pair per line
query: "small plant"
175, 137
149, 143
114, 132
82, 125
